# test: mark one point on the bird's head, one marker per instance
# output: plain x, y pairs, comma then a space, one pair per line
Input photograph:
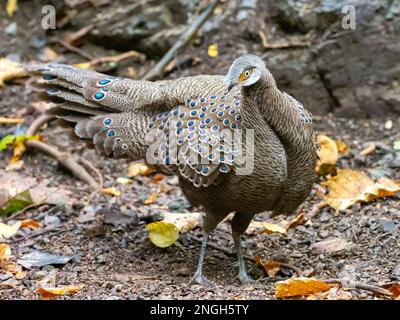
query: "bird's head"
245, 71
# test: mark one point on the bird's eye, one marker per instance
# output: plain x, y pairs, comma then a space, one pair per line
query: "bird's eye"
245, 75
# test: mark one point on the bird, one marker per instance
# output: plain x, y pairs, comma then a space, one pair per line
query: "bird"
237, 143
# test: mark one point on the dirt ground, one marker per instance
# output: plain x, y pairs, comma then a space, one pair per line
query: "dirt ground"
120, 262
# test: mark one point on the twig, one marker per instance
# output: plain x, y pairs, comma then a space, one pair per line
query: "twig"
358, 285
182, 41
291, 267
41, 232
74, 49
315, 210
66, 160
18, 213
37, 123
63, 158
89, 166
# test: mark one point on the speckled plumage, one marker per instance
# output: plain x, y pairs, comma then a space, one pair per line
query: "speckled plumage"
117, 115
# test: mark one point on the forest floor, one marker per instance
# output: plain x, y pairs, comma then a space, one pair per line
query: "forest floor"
118, 261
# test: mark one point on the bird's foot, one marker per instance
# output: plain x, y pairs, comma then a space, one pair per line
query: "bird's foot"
244, 278
199, 278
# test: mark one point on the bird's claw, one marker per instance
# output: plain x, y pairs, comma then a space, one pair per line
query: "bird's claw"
199, 278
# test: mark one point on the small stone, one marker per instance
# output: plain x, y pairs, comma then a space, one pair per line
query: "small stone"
51, 221
175, 205
389, 125
11, 29
324, 217
387, 226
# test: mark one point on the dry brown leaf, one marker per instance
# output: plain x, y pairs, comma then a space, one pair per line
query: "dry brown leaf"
51, 292
331, 246
157, 178
11, 120
10, 70
183, 221
296, 287
49, 55
151, 199
32, 224
297, 220
164, 188
139, 168
111, 191
5, 253
394, 288
21, 275
328, 156
273, 228
342, 147
349, 187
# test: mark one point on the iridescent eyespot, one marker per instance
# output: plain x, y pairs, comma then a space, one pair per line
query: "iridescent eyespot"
213, 110
204, 109
176, 112
203, 99
49, 77
193, 113
202, 115
178, 123
193, 104
182, 115
212, 103
52, 90
107, 121
208, 120
213, 97
111, 133
226, 121
190, 123
224, 168
220, 114
238, 117
233, 125
202, 126
105, 89
237, 103
205, 170
232, 111
99, 95
103, 82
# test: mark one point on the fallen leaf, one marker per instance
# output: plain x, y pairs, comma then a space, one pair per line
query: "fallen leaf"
212, 50
296, 287
111, 191
342, 147
32, 224
162, 234
5, 253
7, 231
40, 258
49, 55
151, 198
349, 187
10, 70
328, 155
21, 275
157, 178
273, 228
139, 168
297, 220
11, 7
394, 288
183, 221
51, 292
331, 246
18, 143
11, 120
271, 268
16, 203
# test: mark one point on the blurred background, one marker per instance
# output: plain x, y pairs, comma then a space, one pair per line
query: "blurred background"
349, 73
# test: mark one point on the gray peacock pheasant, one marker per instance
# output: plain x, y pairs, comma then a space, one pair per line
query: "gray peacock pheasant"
237, 143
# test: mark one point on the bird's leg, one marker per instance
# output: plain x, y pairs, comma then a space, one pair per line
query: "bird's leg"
243, 276
199, 276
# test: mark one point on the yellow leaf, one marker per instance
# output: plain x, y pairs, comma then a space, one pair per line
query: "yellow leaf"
273, 228
5, 252
11, 120
11, 7
342, 147
111, 191
83, 65
151, 199
351, 186
51, 292
49, 54
19, 149
139, 168
213, 50
7, 231
162, 234
10, 70
183, 221
296, 287
32, 224
328, 156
